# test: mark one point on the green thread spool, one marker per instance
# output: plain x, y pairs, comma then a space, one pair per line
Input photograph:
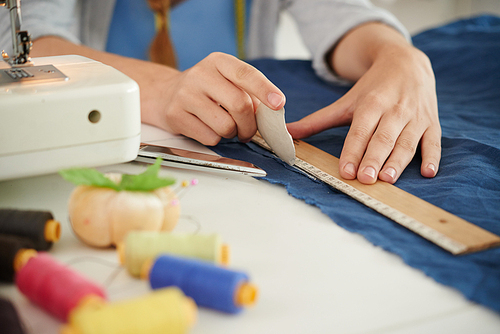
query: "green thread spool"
140, 246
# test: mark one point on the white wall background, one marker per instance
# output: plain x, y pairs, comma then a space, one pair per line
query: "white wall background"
416, 15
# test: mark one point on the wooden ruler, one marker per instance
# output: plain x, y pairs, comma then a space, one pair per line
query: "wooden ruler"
446, 230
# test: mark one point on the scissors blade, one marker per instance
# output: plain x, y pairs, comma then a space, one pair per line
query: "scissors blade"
176, 157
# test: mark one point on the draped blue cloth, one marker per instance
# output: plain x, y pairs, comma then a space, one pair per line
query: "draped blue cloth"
465, 56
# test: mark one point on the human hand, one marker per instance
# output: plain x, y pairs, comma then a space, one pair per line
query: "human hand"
215, 99
391, 108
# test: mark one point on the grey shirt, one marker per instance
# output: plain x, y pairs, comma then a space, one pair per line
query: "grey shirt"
321, 23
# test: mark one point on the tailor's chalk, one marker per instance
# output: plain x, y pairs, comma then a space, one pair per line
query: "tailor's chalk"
160, 312
139, 246
53, 286
272, 127
38, 226
209, 285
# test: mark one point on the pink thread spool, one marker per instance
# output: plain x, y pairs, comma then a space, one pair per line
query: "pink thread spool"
55, 287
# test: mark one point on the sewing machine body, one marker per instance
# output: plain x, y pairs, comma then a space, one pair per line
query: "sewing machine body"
87, 115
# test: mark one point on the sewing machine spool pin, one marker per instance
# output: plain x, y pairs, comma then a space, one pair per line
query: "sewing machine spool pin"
21, 39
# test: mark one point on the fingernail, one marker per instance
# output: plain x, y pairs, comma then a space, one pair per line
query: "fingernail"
274, 99
350, 169
369, 171
432, 167
433, 172
391, 172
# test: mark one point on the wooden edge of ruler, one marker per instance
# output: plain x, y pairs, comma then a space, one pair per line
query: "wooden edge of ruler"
448, 231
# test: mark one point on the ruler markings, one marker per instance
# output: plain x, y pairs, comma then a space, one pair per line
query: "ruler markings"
447, 242
391, 213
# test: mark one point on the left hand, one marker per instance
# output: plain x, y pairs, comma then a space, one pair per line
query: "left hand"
391, 108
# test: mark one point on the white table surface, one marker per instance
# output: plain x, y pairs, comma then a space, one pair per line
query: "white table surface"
313, 276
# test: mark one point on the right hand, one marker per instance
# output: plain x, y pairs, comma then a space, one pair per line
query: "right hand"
215, 99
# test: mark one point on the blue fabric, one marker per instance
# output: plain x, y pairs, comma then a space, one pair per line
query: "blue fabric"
466, 59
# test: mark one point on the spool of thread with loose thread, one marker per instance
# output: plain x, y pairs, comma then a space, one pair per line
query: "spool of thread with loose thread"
55, 287
38, 226
14, 252
209, 285
163, 311
10, 322
140, 246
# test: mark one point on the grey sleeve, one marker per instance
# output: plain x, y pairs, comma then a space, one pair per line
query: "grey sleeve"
322, 23
42, 18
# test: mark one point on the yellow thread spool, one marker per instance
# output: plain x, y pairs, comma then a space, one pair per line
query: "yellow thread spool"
162, 311
140, 246
90, 302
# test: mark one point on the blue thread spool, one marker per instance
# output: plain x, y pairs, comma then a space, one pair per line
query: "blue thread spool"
209, 285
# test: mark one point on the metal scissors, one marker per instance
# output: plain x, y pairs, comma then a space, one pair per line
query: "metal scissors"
175, 157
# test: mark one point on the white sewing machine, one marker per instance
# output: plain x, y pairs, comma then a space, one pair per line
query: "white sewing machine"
62, 112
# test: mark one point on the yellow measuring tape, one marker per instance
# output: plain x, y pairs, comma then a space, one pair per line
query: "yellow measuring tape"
240, 24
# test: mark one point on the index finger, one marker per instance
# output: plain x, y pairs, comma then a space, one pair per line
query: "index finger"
249, 79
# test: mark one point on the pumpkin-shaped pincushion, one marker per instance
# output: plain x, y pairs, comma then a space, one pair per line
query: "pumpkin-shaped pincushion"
104, 208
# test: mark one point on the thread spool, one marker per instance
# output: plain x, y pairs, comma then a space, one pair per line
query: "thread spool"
13, 252
9, 319
53, 286
209, 285
163, 311
139, 246
38, 226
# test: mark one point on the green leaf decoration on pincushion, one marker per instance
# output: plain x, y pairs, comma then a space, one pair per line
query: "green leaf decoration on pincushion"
147, 181
88, 177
